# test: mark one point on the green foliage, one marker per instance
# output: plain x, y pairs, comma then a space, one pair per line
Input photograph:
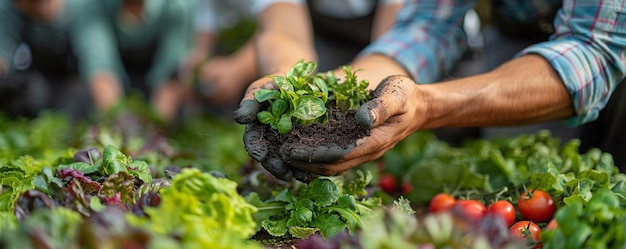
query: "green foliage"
598, 223
207, 212
112, 162
349, 94
321, 206
490, 166
300, 98
38, 137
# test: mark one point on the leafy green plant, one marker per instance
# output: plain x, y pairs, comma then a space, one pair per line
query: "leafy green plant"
321, 206
349, 94
299, 96
303, 96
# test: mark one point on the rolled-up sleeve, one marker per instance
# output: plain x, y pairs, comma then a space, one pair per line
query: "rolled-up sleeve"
588, 52
427, 38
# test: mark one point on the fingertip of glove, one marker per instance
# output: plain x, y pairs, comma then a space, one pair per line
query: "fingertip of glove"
365, 117
246, 112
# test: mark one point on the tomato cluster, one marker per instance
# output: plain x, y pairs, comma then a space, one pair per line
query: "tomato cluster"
534, 206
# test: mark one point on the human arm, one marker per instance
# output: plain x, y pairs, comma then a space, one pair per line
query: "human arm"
166, 87
100, 66
205, 33
384, 17
226, 77
284, 38
570, 76
522, 91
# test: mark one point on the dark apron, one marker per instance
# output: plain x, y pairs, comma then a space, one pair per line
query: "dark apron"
50, 82
339, 40
139, 60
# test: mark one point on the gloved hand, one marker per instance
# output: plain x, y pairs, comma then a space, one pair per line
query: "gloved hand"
256, 143
396, 111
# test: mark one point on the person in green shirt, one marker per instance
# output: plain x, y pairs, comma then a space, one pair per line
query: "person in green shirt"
138, 45
37, 62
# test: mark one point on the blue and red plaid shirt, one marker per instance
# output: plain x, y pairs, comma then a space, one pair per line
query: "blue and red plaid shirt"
587, 49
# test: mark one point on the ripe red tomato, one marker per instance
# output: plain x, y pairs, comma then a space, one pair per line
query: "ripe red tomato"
441, 202
525, 229
473, 210
406, 187
536, 205
388, 183
504, 209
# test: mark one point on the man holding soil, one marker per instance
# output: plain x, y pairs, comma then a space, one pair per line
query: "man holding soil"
573, 76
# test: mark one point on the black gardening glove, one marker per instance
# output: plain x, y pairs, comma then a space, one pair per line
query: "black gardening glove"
257, 145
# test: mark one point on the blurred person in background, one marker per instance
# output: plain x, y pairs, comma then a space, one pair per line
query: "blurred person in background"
573, 75
330, 32
37, 62
135, 45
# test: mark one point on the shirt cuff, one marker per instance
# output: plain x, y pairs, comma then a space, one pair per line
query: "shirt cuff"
583, 78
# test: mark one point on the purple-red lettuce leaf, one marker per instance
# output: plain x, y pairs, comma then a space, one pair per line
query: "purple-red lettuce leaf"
74, 176
118, 186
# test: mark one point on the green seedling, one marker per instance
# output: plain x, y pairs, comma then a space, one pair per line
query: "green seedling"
300, 98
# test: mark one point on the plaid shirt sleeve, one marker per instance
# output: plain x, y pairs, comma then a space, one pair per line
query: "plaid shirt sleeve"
427, 38
588, 51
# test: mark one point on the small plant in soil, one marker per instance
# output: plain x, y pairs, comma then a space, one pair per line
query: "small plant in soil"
302, 97
312, 109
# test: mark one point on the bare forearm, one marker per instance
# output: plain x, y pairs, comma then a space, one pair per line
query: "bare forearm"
523, 91
284, 38
384, 19
374, 68
105, 91
204, 42
247, 61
